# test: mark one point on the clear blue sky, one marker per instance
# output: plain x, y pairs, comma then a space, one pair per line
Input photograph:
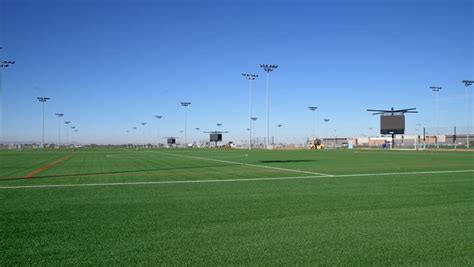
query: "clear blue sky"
110, 65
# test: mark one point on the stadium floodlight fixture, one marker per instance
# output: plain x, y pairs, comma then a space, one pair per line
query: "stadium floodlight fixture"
268, 68
468, 83
5, 63
312, 108
250, 78
59, 128
43, 100
158, 117
436, 89
185, 105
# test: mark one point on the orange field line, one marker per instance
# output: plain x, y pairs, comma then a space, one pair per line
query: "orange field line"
49, 165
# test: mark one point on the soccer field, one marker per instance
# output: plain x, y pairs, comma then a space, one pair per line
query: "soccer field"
239, 207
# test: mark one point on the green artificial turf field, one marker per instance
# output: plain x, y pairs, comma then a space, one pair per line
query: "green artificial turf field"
239, 207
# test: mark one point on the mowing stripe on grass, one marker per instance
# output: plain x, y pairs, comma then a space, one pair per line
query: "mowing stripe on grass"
245, 164
49, 165
234, 180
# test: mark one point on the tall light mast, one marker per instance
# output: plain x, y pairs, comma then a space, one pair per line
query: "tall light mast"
468, 83
436, 89
185, 105
158, 117
59, 128
268, 68
3, 64
313, 109
250, 78
43, 100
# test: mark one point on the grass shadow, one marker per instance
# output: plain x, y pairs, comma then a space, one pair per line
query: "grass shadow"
287, 161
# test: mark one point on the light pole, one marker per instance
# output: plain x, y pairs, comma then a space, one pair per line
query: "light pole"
76, 135
134, 140
144, 142
127, 138
158, 117
3, 64
250, 78
67, 132
59, 128
279, 126
268, 69
468, 83
250, 129
436, 89
326, 134
72, 139
185, 105
43, 100
197, 130
313, 109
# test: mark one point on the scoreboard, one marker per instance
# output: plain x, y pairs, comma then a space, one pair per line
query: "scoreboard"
215, 137
392, 124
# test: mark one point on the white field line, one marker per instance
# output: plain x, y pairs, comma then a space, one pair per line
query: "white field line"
234, 180
245, 164
401, 173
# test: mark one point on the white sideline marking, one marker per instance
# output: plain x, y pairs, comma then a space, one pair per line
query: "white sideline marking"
245, 164
401, 173
233, 180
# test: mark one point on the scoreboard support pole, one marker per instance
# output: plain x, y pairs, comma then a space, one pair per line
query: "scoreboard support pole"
393, 141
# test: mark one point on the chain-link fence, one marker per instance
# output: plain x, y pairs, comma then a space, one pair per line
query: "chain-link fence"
423, 137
